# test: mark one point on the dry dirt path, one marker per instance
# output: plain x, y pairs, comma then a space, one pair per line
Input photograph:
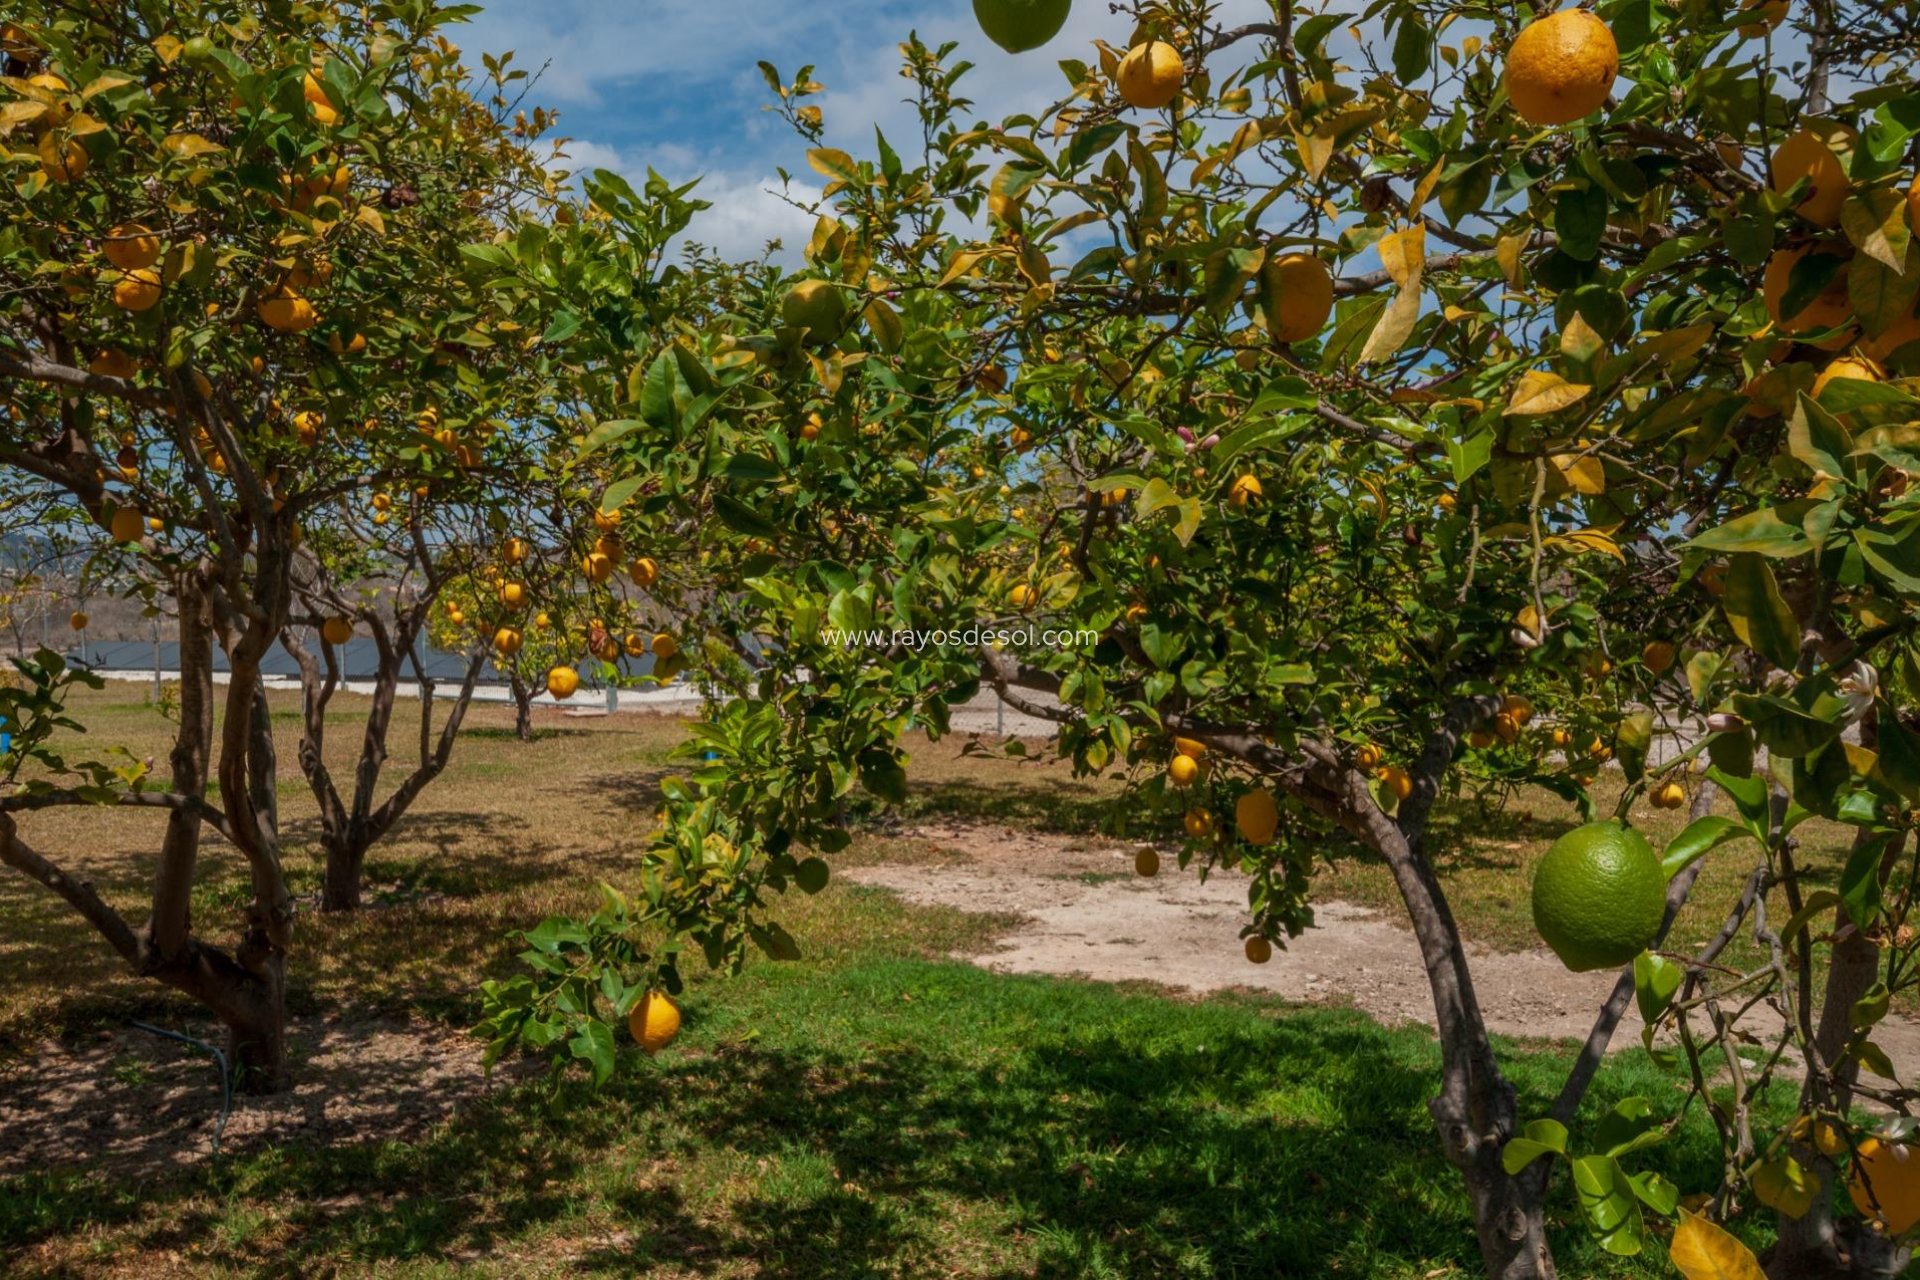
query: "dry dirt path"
1083, 912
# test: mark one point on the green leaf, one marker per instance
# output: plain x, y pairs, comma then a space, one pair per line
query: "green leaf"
1783, 727
1817, 439
594, 1046
1875, 219
811, 875
742, 518
1860, 882
1764, 532
1537, 1138
1758, 613
1228, 271
1610, 1205
1655, 979
1580, 218
1870, 1008
1412, 48
1700, 836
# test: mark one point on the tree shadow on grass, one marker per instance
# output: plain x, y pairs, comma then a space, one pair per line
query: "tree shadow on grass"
898, 1119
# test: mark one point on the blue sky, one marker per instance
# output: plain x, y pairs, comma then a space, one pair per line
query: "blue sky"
672, 84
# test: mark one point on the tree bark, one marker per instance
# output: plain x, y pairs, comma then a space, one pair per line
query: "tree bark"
522, 707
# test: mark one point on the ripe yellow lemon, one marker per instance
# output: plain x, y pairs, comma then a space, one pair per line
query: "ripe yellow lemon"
654, 1022
1806, 155
337, 630
1599, 896
127, 524
1258, 949
131, 246
1829, 308
816, 306
1657, 657
324, 112
1244, 491
113, 363
137, 290
1856, 368
63, 159
644, 572
513, 595
514, 550
1885, 1185
1561, 67
1190, 747
1020, 25
507, 641
1669, 795
1898, 335
1368, 756
1146, 862
1197, 823
1296, 289
287, 312
77, 620
597, 565
634, 643
1022, 595
1395, 779
664, 645
1184, 771
1149, 76
1257, 817
563, 682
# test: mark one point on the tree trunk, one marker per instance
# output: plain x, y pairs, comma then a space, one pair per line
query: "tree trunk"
255, 1016
522, 708
345, 859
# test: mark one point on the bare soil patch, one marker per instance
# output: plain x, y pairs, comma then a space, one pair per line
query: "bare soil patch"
1084, 912
132, 1104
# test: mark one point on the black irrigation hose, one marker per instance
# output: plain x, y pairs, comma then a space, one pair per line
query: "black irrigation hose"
219, 1059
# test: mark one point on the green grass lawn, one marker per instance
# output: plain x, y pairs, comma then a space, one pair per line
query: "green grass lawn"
883, 1114
875, 1109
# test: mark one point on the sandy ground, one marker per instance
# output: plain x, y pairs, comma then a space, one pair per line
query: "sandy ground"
1084, 912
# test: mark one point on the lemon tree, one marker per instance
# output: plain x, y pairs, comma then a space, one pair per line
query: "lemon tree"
244, 284
1427, 401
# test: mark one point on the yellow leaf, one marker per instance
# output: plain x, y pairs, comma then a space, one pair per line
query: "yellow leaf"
1579, 341
103, 83
1583, 473
1539, 391
1703, 1251
963, 264
369, 217
1423, 190
188, 145
1034, 265
168, 47
1582, 541
831, 162
1403, 254
1507, 254
1673, 346
1528, 620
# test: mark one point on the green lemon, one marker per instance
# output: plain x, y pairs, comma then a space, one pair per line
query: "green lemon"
816, 306
1020, 25
1599, 896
